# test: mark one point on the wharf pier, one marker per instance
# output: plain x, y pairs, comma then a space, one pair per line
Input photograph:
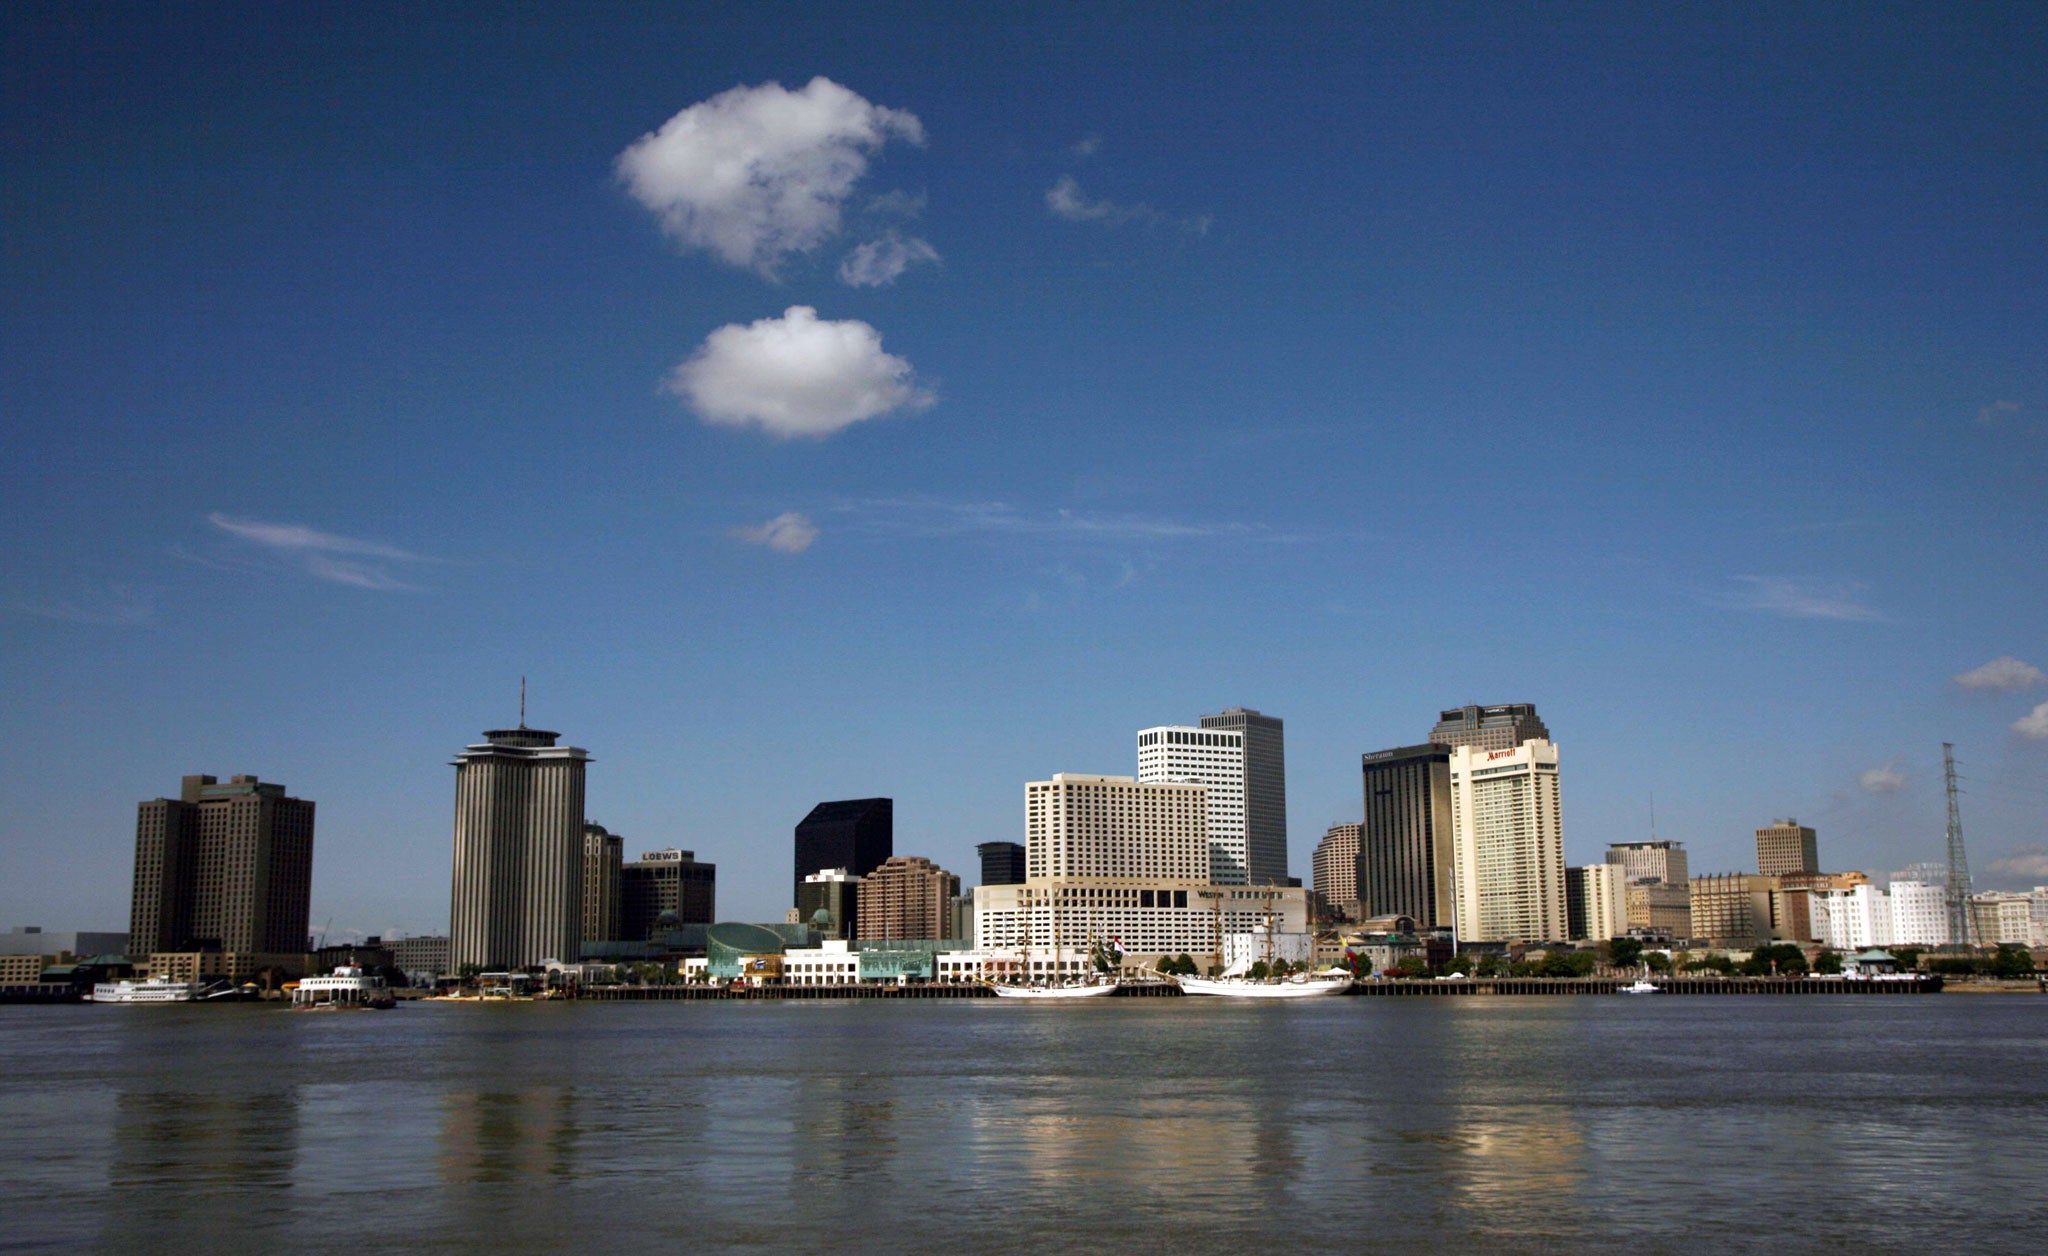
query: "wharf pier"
1667, 985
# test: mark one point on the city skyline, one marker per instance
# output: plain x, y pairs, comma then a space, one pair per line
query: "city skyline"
1681, 374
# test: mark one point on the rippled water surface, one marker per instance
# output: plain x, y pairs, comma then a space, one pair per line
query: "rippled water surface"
1894, 1124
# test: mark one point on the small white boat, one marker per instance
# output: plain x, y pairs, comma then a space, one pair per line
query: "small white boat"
1296, 987
1641, 985
1055, 992
145, 990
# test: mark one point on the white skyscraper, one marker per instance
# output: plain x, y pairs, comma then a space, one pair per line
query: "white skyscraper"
518, 884
1214, 759
1081, 825
1509, 844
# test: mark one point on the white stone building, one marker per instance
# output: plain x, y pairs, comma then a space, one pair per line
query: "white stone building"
1213, 759
1508, 839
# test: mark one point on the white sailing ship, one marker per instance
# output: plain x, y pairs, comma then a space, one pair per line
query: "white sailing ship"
1298, 986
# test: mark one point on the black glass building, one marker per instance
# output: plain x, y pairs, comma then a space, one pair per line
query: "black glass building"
858, 834
1002, 863
1404, 846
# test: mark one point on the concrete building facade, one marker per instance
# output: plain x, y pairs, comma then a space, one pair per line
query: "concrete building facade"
1406, 847
908, 898
1786, 847
604, 853
1082, 825
1215, 760
664, 890
1265, 791
1335, 867
224, 867
1595, 907
1509, 844
1500, 727
517, 897
1732, 910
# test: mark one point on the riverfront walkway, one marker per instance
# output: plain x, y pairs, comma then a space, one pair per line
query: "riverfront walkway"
1380, 988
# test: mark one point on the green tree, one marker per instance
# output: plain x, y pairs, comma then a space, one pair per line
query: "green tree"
1259, 970
1461, 964
1658, 961
1908, 957
1184, 964
1411, 966
2012, 961
1952, 965
1828, 963
1624, 952
470, 972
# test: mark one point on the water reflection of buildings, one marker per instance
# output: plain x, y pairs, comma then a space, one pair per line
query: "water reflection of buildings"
503, 1136
181, 1160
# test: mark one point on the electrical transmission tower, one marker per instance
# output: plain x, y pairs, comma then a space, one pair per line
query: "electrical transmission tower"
1958, 859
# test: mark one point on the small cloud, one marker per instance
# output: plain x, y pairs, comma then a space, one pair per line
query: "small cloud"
2027, 866
1885, 780
1064, 199
1997, 412
316, 552
2004, 674
898, 203
113, 605
880, 262
2033, 725
1797, 600
796, 375
756, 174
1087, 146
787, 533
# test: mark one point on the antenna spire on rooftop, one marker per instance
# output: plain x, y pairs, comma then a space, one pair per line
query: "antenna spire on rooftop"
522, 702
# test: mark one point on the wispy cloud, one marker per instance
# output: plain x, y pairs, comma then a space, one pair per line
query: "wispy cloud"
787, 533
2026, 866
1086, 146
2034, 725
1883, 780
1997, 413
117, 605
1067, 201
2004, 674
327, 556
1796, 599
879, 263
935, 517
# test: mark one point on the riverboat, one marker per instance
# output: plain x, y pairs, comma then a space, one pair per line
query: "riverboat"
1299, 986
145, 990
349, 988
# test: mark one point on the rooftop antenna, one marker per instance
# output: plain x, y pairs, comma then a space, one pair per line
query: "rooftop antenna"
522, 702
1958, 859
1653, 817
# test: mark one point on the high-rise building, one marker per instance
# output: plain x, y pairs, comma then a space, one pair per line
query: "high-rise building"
856, 834
1265, 792
1002, 863
1509, 844
223, 867
1405, 847
829, 901
1080, 825
1784, 847
1919, 910
909, 897
1649, 861
1501, 727
664, 889
1335, 867
1731, 909
518, 884
1215, 760
603, 854
1594, 904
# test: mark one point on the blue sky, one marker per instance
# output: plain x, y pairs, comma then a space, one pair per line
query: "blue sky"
1046, 374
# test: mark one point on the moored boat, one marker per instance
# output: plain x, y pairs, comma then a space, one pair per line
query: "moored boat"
145, 990
1073, 991
1300, 986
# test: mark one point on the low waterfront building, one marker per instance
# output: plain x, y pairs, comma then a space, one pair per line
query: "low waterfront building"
1146, 919
1242, 950
426, 955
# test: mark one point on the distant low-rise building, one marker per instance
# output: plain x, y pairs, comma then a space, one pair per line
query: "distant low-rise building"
427, 955
1731, 910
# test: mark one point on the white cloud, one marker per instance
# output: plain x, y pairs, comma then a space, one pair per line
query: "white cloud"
1087, 146
1798, 600
315, 551
899, 203
2028, 866
1885, 780
756, 174
796, 375
2034, 725
2004, 674
117, 605
1997, 412
1064, 199
880, 262
787, 533
932, 517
